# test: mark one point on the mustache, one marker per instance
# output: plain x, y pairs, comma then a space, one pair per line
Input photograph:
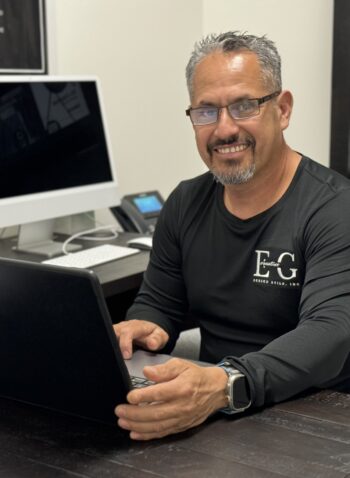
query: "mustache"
231, 139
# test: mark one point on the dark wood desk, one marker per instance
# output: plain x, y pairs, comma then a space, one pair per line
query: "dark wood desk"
115, 277
120, 279
307, 437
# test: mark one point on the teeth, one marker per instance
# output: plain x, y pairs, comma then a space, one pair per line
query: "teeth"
232, 149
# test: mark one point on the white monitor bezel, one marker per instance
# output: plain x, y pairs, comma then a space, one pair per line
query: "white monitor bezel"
40, 206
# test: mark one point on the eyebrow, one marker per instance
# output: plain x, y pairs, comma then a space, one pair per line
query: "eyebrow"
203, 104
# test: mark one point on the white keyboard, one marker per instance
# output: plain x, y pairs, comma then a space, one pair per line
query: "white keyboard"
92, 257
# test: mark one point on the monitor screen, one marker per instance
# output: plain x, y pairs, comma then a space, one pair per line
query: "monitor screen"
55, 155
51, 137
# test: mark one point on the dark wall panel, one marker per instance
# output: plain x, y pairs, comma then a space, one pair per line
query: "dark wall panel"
340, 125
22, 36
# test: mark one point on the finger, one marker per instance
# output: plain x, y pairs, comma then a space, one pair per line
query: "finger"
153, 435
117, 328
157, 339
156, 426
169, 429
125, 342
167, 371
149, 430
147, 412
152, 394
160, 417
167, 391
130, 331
147, 436
166, 387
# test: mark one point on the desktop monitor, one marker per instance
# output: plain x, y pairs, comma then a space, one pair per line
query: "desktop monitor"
55, 157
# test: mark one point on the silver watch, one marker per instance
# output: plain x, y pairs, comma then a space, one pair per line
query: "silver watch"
237, 389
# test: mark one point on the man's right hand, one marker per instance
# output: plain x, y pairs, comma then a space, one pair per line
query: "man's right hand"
146, 334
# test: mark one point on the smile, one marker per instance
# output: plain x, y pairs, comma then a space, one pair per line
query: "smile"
232, 149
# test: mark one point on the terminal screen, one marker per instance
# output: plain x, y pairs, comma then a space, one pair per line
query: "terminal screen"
148, 204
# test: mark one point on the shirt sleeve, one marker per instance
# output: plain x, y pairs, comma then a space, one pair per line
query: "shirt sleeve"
162, 297
314, 353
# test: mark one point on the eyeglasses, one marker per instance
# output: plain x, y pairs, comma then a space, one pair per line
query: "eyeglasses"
242, 109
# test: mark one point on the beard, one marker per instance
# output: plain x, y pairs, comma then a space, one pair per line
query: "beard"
233, 173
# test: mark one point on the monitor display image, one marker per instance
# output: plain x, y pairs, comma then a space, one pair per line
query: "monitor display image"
55, 157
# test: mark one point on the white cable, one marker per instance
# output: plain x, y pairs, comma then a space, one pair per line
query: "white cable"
90, 231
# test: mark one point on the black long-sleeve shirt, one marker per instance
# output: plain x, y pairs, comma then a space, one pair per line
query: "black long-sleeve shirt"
271, 293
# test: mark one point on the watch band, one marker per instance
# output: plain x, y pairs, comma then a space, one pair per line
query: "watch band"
237, 389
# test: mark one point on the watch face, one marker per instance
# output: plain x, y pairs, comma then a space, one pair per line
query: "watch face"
241, 398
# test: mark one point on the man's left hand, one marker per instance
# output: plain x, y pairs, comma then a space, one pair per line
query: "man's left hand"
183, 396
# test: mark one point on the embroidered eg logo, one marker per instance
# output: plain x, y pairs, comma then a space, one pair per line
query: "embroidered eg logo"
275, 268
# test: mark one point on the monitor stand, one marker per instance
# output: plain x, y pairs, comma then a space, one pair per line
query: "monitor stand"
37, 238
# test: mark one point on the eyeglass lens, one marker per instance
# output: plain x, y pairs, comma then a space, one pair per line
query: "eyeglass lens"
238, 110
242, 109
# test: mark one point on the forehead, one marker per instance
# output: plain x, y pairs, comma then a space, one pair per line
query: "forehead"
227, 73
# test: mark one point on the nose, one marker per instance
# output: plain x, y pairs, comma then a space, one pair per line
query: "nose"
225, 125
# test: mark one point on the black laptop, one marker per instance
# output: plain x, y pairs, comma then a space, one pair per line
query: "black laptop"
58, 348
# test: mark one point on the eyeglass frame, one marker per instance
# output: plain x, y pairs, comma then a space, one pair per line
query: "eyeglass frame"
260, 101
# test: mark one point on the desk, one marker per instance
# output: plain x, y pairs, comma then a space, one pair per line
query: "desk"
120, 279
307, 437
115, 277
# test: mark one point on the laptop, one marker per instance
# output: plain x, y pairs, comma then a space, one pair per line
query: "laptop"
58, 349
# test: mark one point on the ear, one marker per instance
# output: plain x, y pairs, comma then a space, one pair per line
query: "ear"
285, 106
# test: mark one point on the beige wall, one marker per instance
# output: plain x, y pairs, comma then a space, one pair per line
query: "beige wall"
302, 31
139, 49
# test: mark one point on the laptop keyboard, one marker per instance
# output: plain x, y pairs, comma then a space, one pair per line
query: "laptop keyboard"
140, 382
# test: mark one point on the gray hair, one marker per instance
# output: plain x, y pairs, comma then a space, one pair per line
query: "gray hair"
268, 56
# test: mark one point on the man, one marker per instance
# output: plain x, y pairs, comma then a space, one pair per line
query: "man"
257, 251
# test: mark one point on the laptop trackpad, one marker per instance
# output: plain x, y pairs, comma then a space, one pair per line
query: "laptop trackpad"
141, 358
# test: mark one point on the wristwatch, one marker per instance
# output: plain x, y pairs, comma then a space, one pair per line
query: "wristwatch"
237, 389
